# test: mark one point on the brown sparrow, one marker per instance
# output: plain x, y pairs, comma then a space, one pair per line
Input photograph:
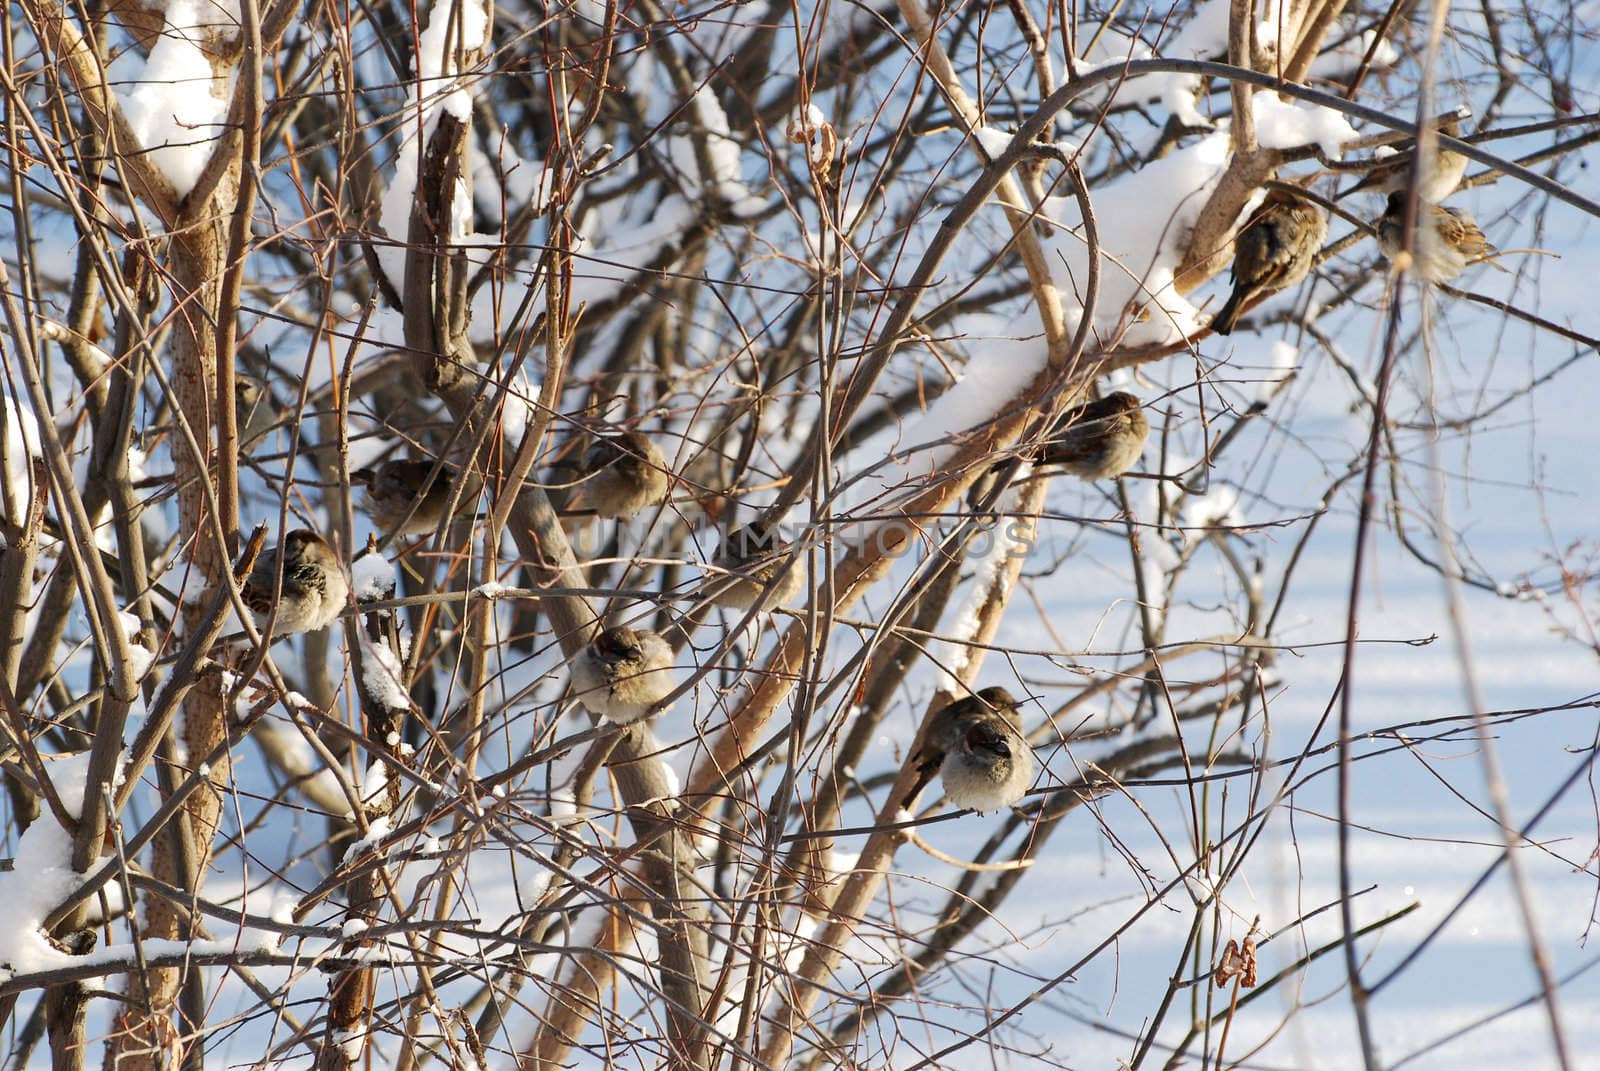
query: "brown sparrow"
254, 413
1274, 251
1099, 439
623, 474
395, 500
1447, 240
623, 673
977, 748
314, 588
754, 558
1392, 173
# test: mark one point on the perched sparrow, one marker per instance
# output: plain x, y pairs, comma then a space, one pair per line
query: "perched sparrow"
392, 499
1273, 252
1098, 440
1447, 239
754, 557
1393, 173
314, 588
976, 746
623, 673
624, 473
254, 413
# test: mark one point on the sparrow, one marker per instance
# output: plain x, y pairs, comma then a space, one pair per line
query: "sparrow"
1392, 173
976, 747
314, 588
623, 673
1274, 251
1099, 439
1447, 240
754, 558
624, 473
254, 413
393, 500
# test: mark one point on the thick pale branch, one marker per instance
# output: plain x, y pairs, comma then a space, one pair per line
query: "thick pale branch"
1241, 23
823, 956
432, 269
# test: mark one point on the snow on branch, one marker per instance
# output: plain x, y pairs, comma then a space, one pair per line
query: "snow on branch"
1145, 219
439, 88
42, 877
178, 104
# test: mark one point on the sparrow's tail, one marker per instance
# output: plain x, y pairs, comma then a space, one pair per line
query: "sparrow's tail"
1222, 323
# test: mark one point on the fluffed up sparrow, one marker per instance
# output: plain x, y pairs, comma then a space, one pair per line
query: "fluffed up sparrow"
1274, 252
623, 474
1392, 173
314, 589
1099, 439
623, 673
1448, 239
395, 499
754, 557
977, 748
